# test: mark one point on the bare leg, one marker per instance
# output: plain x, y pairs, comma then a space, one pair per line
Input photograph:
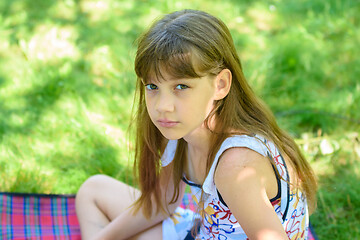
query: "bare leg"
101, 199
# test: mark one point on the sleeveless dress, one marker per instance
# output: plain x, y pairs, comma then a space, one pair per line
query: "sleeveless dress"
220, 223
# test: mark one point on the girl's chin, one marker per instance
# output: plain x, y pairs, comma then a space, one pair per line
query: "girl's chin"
171, 136
168, 137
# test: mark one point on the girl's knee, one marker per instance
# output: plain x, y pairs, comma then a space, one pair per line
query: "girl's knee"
91, 187
96, 180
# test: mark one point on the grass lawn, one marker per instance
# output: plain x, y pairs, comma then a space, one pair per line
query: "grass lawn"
67, 82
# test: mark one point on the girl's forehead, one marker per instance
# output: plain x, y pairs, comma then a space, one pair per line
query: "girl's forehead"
157, 68
164, 76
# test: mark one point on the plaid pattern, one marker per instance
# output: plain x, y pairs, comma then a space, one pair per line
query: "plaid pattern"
33, 216
48, 217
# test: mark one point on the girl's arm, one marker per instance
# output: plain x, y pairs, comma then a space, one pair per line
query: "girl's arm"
245, 179
127, 225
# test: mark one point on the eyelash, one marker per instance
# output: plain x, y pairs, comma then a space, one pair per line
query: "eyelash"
151, 87
182, 87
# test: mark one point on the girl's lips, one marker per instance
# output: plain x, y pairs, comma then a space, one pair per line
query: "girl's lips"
167, 123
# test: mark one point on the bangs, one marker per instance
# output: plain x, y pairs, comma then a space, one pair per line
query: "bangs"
167, 53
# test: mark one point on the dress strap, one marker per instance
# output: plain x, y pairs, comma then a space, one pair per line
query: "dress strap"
275, 156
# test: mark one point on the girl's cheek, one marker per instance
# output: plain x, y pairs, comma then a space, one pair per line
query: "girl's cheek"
147, 102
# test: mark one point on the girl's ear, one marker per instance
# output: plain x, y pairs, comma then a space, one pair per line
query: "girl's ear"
222, 84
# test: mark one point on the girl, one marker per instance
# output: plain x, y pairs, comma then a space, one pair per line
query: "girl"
199, 123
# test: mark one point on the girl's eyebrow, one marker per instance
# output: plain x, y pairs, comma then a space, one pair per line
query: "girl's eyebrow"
170, 79
182, 79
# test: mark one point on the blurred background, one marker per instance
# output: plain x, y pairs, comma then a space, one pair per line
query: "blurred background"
67, 85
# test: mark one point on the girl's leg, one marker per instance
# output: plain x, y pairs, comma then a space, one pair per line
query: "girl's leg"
101, 199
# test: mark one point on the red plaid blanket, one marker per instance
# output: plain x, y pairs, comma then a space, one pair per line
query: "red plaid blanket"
47, 217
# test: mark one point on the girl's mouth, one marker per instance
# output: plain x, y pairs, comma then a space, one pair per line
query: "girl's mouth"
167, 123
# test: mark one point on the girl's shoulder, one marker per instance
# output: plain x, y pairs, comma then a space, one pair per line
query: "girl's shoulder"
248, 168
240, 151
245, 153
244, 150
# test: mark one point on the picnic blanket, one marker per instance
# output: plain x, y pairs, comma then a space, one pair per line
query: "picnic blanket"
49, 217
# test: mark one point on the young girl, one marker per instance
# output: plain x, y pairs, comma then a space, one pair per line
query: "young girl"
199, 123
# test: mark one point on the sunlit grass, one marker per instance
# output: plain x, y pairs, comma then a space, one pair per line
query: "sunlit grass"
67, 81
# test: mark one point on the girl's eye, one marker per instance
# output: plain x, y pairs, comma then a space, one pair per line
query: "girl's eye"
181, 87
151, 86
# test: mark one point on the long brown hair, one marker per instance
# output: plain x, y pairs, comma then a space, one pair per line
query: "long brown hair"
191, 44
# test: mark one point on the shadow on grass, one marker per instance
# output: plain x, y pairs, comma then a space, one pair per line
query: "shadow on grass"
37, 100
64, 171
90, 36
95, 154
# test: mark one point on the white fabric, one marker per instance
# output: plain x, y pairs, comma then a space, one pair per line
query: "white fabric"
219, 223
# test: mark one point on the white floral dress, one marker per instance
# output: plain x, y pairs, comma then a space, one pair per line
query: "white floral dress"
220, 223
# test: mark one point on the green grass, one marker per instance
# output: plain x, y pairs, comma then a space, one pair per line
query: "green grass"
67, 82
335, 159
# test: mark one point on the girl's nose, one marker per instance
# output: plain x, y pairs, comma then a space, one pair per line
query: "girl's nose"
165, 103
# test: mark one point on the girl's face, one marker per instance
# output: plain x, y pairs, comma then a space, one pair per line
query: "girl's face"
178, 107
